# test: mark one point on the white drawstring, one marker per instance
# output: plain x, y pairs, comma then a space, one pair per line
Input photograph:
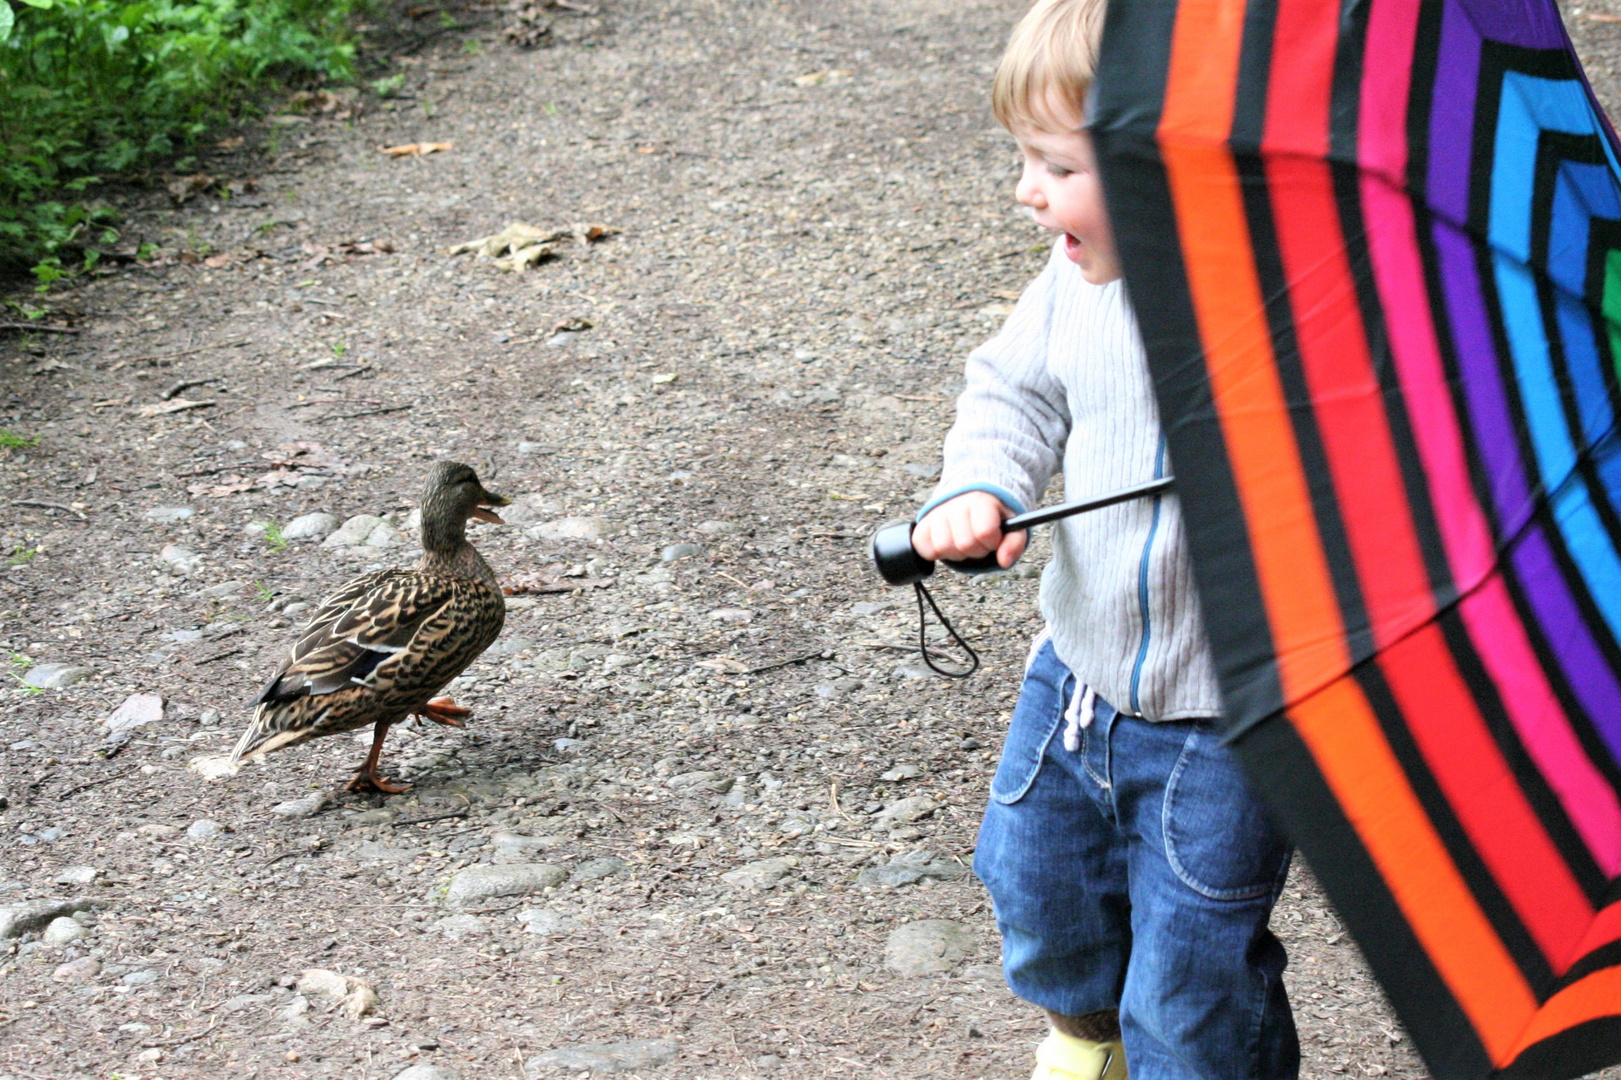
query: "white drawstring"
1079, 715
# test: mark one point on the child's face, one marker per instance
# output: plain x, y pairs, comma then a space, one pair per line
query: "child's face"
1060, 184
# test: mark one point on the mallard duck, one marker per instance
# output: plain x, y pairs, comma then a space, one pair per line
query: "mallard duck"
380, 648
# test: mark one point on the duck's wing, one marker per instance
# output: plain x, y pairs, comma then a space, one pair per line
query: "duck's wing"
357, 631
350, 652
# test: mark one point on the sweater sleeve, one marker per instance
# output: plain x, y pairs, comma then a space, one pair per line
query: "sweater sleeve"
1012, 416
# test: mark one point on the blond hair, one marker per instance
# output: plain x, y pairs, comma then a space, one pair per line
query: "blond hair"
1048, 65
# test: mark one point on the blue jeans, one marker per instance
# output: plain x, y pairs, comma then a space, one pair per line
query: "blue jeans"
1138, 873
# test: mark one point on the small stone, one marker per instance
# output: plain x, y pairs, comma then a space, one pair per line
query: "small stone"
479, 883
910, 673
906, 811
543, 921
761, 874
526, 448
732, 615
870, 607
223, 590
928, 947
140, 977
571, 528
700, 781
569, 746
375, 851
243, 1002
308, 806
427, 1072
55, 676
888, 877
182, 560
316, 526
456, 927
921, 470
901, 772
150, 1056
517, 848
592, 869
605, 1057
76, 875
296, 609
83, 969
135, 711
357, 996
562, 338
827, 690
353, 532
63, 930
716, 528
677, 552
203, 829
168, 515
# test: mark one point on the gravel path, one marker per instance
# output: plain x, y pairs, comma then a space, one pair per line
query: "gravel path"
710, 818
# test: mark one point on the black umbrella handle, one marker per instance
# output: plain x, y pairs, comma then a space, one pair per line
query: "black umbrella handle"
898, 562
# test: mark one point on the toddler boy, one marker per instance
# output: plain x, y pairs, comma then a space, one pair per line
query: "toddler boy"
1132, 869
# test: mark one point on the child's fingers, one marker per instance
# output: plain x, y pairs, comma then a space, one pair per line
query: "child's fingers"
985, 522
965, 536
1012, 546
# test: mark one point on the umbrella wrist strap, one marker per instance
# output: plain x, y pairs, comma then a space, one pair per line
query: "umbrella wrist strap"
923, 597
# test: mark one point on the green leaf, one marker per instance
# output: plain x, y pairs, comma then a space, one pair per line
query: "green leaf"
8, 19
43, 5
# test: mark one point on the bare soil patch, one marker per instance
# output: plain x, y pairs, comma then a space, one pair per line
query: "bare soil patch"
815, 225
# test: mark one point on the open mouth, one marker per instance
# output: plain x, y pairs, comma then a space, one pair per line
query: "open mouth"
483, 512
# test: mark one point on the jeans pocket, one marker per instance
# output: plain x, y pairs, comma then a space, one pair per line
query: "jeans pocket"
1035, 720
1218, 838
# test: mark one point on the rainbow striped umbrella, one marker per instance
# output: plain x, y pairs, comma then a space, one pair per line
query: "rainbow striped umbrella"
1375, 249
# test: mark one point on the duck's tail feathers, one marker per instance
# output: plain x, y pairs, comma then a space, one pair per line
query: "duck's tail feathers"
263, 736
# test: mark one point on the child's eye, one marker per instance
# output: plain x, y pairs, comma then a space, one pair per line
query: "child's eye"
1058, 170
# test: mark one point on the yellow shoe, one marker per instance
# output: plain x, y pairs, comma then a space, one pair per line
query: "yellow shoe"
1060, 1057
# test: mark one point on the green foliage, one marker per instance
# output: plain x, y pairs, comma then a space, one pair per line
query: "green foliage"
10, 440
273, 535
18, 666
21, 556
97, 88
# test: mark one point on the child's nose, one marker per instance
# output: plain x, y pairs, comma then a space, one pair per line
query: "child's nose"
1028, 192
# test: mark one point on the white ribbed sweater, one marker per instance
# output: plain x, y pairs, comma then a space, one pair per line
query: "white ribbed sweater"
1066, 384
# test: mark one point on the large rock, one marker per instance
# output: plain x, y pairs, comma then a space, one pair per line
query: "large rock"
19, 919
354, 532
928, 947
906, 811
317, 526
135, 711
479, 883
604, 1057
55, 676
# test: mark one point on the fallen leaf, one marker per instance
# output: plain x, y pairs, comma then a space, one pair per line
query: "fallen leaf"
166, 407
665, 377
136, 711
575, 325
727, 664
519, 584
819, 78
590, 234
416, 149
182, 188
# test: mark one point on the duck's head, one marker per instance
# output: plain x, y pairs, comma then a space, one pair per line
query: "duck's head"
454, 494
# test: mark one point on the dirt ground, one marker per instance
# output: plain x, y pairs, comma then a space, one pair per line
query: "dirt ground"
700, 416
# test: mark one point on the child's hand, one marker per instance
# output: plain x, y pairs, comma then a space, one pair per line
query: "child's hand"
966, 528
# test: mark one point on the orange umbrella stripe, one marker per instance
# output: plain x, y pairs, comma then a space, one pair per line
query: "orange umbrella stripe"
1592, 998
1343, 735
1308, 635
1204, 69
1337, 723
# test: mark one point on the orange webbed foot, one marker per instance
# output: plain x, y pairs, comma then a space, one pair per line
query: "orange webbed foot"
445, 711
371, 781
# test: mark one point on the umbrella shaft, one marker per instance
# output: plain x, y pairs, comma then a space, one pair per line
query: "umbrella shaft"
1064, 510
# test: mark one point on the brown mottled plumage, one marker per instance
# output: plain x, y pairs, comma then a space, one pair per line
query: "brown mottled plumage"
379, 648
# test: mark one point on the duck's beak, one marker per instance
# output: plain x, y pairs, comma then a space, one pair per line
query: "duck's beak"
491, 499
